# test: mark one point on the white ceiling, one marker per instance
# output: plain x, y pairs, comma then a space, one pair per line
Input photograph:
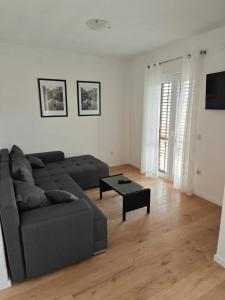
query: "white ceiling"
137, 25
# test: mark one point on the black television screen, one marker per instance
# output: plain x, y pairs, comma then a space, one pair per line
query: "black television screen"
215, 91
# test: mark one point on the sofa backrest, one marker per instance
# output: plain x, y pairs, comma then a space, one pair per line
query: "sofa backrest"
10, 221
4, 164
4, 155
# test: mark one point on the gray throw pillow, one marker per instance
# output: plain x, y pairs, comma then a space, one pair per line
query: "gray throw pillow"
29, 196
18, 157
21, 172
16, 149
59, 196
35, 162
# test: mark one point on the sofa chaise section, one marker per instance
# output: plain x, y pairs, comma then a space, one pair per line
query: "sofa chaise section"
86, 170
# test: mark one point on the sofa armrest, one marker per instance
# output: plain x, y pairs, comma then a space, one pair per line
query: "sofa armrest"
10, 221
56, 236
51, 156
4, 155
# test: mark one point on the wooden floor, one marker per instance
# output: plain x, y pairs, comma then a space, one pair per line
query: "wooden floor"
165, 255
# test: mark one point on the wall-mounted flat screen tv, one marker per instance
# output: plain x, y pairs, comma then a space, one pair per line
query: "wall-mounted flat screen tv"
215, 91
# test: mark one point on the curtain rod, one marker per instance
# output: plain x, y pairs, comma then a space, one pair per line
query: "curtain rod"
202, 52
169, 60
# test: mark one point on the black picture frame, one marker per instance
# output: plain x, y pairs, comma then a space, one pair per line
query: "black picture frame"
52, 113
89, 112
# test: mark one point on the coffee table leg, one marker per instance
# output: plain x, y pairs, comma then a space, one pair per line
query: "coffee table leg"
100, 189
124, 216
103, 187
149, 198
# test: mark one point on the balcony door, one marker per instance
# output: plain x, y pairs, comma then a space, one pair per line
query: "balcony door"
169, 95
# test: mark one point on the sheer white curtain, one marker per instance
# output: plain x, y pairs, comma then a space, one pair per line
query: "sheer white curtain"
185, 127
151, 114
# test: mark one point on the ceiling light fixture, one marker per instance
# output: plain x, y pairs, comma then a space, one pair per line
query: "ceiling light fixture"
98, 24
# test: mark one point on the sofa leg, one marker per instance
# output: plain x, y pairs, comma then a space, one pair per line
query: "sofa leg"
100, 252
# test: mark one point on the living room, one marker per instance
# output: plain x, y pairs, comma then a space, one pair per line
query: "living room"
155, 232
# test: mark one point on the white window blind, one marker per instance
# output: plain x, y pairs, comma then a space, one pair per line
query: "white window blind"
165, 110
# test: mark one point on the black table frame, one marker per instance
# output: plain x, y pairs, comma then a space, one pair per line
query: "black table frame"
131, 201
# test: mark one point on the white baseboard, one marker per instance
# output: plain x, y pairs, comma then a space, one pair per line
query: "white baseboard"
136, 165
5, 284
117, 164
218, 259
208, 198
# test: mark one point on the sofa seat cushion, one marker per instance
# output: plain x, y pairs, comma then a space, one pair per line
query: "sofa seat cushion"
58, 182
39, 173
55, 168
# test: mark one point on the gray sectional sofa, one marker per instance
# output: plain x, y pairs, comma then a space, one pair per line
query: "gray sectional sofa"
45, 239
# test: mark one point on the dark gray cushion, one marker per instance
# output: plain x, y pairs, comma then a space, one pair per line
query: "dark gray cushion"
21, 172
60, 196
17, 157
29, 196
39, 173
36, 162
17, 150
57, 182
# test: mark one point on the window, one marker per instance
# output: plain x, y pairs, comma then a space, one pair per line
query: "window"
164, 131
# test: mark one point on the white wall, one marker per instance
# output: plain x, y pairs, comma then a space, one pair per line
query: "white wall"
106, 136
210, 154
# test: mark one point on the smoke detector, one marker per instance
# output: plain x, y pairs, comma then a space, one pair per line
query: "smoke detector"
98, 24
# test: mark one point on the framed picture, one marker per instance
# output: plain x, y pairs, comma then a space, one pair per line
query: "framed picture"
89, 98
52, 97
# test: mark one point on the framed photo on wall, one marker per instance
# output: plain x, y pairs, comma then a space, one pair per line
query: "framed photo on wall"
89, 98
52, 97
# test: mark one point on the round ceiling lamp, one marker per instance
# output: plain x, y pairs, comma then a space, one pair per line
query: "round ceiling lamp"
98, 24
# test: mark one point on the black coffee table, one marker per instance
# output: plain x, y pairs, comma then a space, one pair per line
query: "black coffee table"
134, 195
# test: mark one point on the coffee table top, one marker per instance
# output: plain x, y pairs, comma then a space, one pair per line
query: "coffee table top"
122, 189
